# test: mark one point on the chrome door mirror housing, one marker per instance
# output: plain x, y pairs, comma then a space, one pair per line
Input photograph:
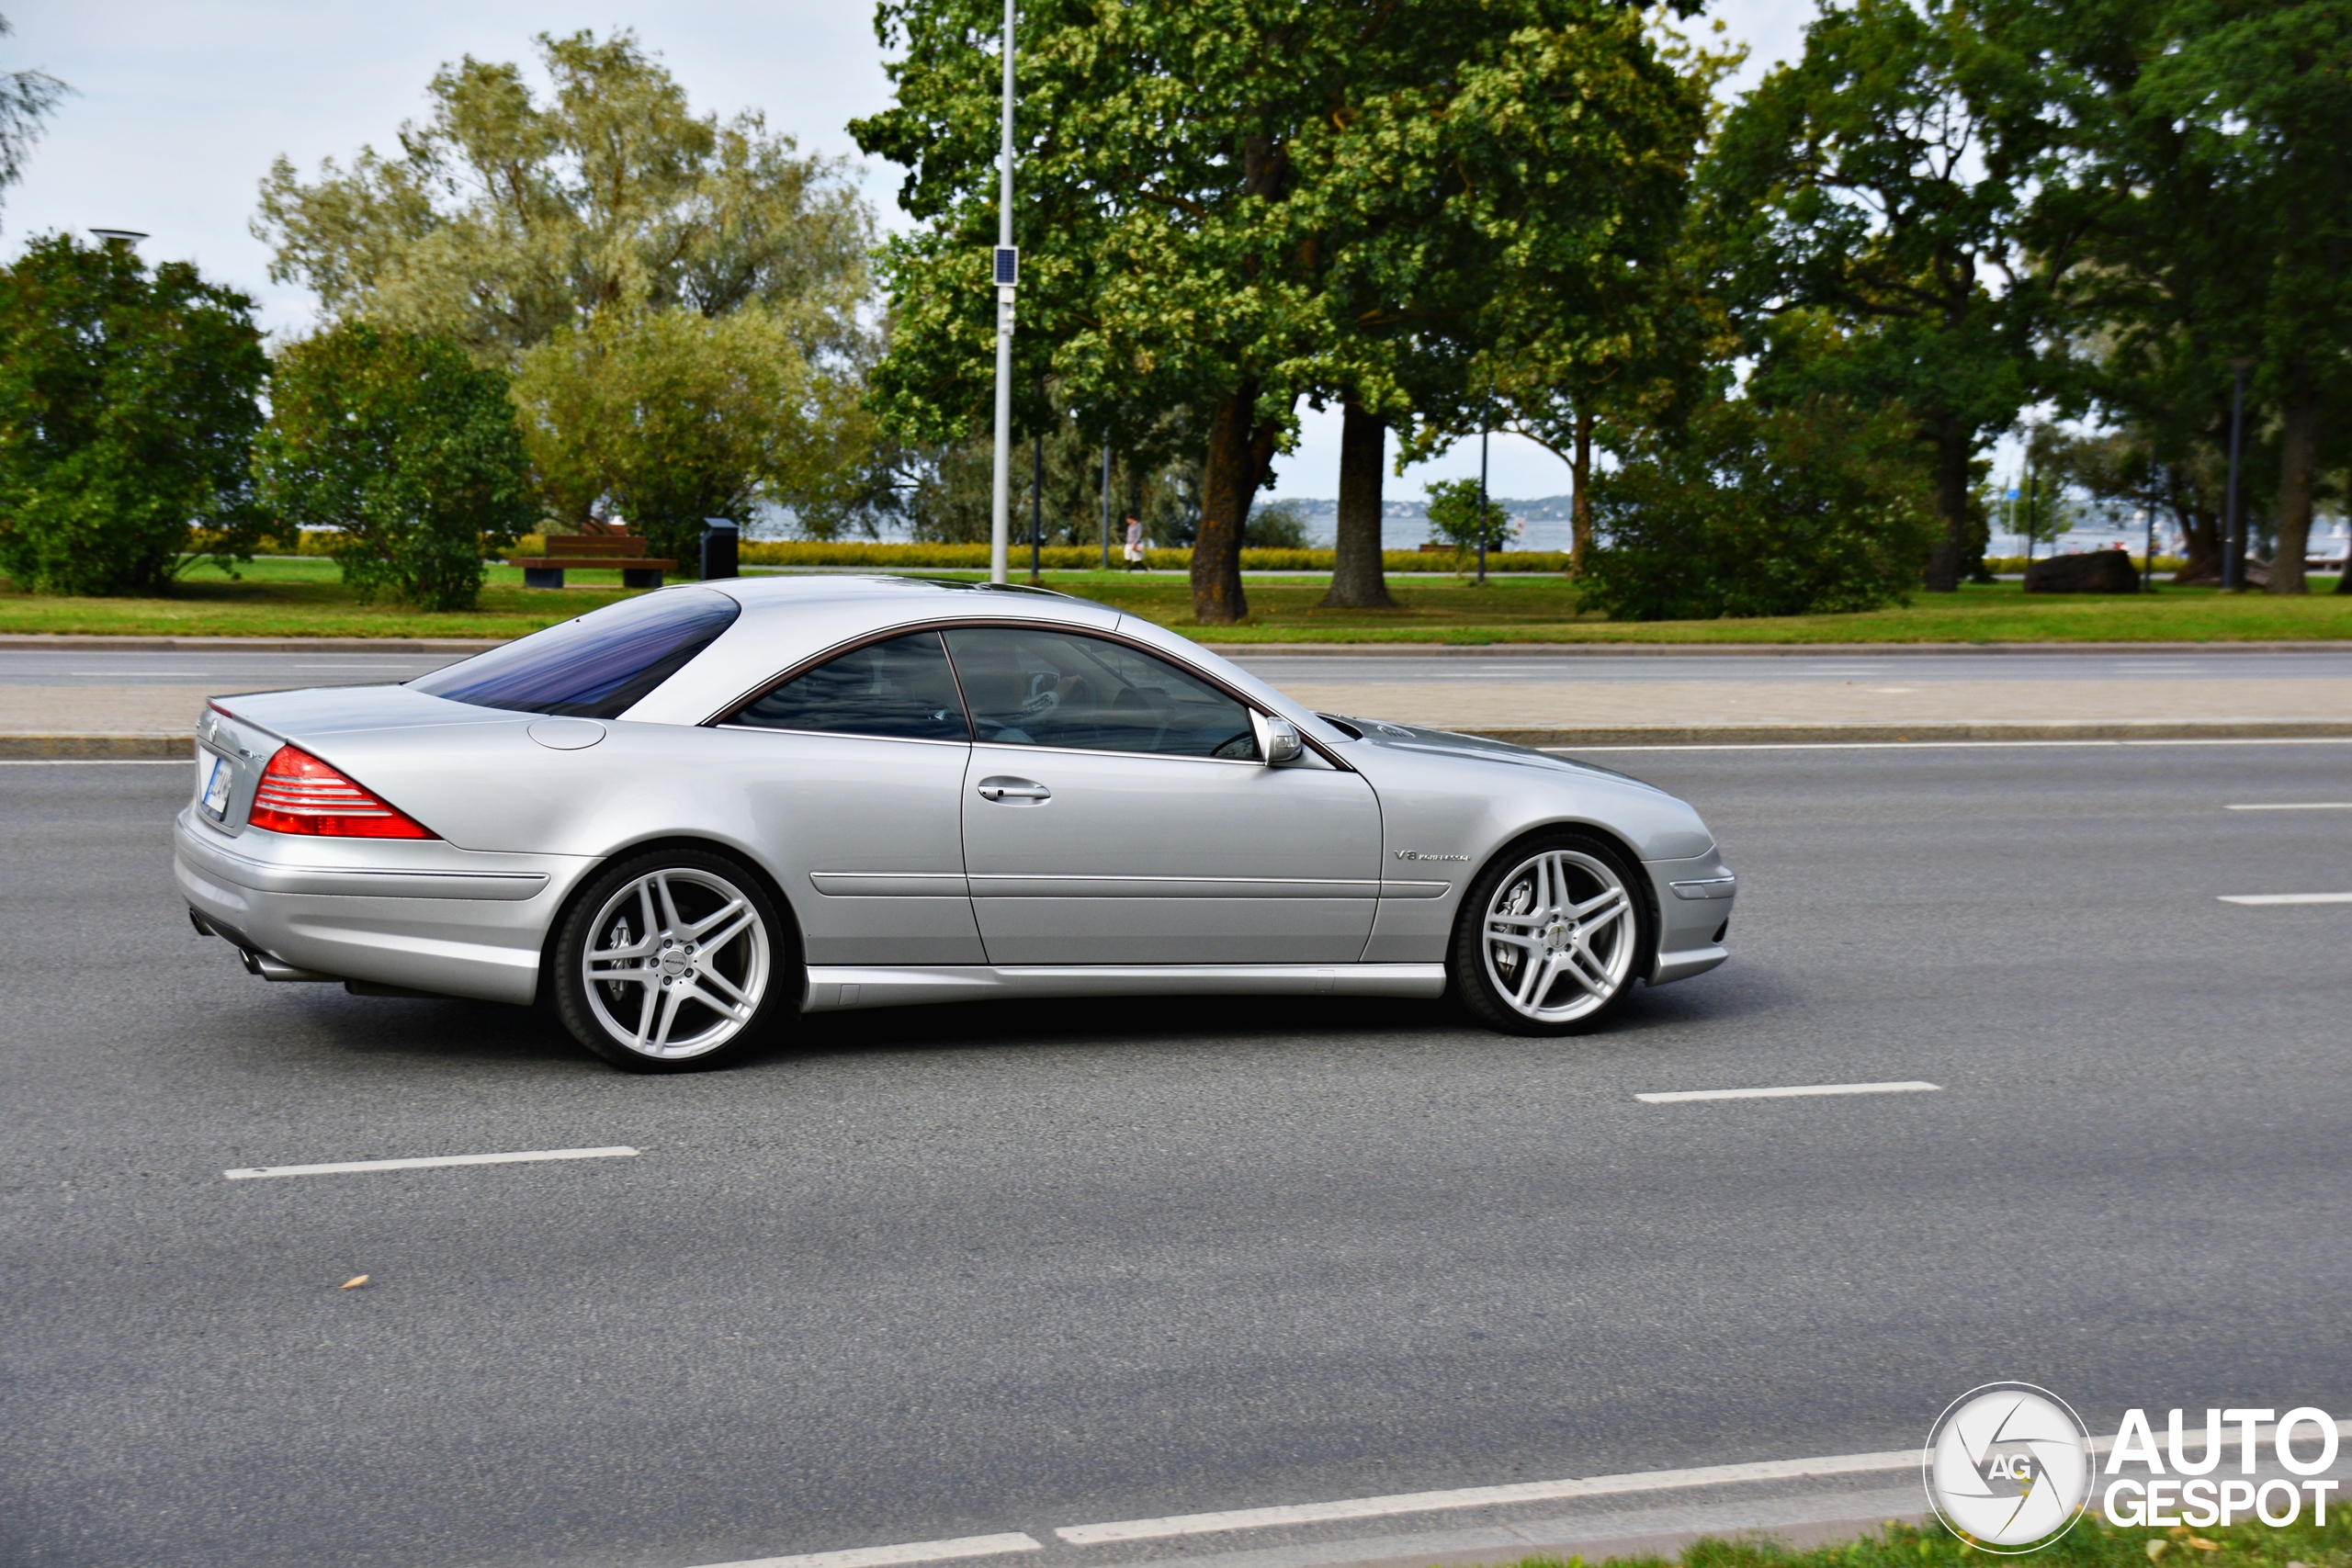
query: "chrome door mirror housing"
1278, 739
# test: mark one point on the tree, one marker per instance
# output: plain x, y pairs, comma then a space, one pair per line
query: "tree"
128, 406
2262, 90
1882, 179
1751, 511
407, 448
25, 97
1456, 517
1227, 207
668, 417
503, 219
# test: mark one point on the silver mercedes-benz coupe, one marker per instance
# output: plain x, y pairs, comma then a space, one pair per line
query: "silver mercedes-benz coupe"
685, 817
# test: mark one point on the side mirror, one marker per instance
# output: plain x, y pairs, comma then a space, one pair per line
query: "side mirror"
1278, 739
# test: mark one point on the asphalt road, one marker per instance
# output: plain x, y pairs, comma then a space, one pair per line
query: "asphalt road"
963, 1271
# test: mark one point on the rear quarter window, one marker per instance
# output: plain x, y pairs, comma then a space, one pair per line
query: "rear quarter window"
599, 666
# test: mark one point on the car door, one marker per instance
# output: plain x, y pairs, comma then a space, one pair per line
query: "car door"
858, 773
1115, 811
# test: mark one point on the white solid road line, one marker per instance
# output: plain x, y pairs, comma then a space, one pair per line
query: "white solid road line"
1909, 1086
97, 761
2297, 806
342, 1166
1486, 1496
883, 1556
2285, 897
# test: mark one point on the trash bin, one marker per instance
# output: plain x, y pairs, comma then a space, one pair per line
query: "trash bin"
717, 548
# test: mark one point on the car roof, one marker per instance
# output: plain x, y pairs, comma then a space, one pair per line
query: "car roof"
787, 620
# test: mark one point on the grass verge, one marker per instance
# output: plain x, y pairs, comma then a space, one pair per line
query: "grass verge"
2093, 1543
305, 597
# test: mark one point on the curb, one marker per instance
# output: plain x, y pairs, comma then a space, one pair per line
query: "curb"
144, 747
32, 641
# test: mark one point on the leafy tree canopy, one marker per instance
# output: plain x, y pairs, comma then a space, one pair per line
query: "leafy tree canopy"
128, 406
26, 96
503, 219
407, 448
1229, 206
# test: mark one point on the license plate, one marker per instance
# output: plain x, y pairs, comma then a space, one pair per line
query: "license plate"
213, 779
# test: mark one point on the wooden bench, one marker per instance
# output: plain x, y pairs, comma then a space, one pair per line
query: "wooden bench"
602, 547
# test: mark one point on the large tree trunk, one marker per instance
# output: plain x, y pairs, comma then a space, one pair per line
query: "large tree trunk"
1357, 580
1227, 487
1580, 495
2298, 471
1945, 562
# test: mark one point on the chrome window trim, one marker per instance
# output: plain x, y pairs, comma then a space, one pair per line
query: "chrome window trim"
720, 718
833, 733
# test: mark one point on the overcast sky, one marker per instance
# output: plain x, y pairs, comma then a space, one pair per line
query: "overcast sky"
180, 105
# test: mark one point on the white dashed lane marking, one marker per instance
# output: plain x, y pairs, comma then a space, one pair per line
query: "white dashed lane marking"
343, 1168
1676, 1097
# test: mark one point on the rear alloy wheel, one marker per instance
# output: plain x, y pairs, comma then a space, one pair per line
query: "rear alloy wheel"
1550, 936
670, 961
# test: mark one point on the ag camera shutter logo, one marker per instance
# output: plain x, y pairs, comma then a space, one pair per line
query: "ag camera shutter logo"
2007, 1467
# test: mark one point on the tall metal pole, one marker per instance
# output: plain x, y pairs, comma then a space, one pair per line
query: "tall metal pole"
2232, 555
1107, 506
1001, 505
2148, 550
1482, 509
1037, 508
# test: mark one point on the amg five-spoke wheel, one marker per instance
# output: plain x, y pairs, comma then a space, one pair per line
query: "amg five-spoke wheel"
668, 959
1549, 935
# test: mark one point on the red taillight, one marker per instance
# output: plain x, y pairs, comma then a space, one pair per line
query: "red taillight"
299, 794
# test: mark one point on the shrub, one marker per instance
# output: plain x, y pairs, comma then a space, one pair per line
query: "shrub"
406, 446
1745, 512
128, 406
1455, 516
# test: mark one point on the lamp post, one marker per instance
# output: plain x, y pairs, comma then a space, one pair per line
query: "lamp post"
127, 238
1107, 506
1008, 277
2148, 550
1037, 507
1482, 508
2232, 546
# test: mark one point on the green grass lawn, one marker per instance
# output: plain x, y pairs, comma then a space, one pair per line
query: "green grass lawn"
2092, 1544
305, 597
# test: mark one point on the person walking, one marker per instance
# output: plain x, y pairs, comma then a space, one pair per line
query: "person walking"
1134, 543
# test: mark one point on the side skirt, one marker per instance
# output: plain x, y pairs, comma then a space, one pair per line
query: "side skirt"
835, 988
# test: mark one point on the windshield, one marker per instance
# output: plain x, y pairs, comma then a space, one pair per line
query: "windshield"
599, 666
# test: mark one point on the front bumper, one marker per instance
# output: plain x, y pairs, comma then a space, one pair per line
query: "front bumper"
1694, 899
422, 916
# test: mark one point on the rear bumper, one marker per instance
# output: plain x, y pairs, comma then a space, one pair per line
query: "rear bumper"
422, 916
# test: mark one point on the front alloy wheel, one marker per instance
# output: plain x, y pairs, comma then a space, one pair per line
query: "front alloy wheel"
1549, 936
669, 961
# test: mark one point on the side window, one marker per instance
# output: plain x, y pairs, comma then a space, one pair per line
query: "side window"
1045, 688
901, 688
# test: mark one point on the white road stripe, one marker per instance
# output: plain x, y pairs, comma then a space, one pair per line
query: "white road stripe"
913, 1551
2296, 805
2285, 897
342, 1166
1911, 1086
94, 762
1486, 1497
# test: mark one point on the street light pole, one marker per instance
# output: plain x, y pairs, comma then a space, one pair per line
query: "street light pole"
2233, 550
1482, 508
1007, 276
1107, 506
2148, 550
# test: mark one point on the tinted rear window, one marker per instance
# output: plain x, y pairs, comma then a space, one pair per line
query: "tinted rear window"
599, 666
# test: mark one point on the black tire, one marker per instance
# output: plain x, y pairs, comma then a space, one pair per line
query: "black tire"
672, 921
1580, 969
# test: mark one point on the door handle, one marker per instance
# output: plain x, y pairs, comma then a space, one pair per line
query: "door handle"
1003, 787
